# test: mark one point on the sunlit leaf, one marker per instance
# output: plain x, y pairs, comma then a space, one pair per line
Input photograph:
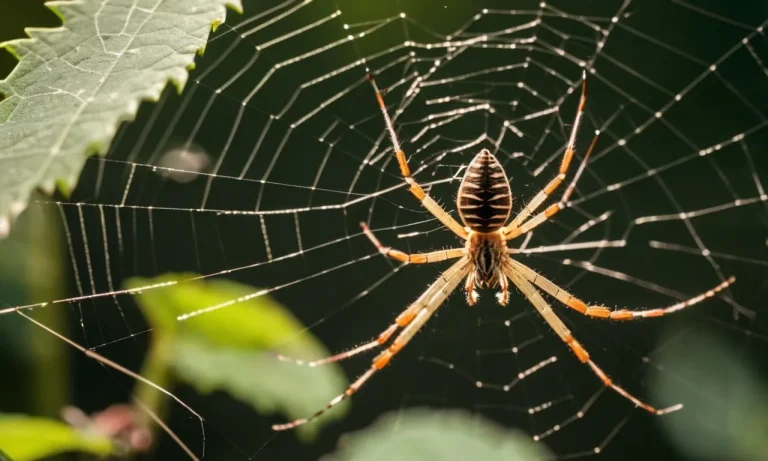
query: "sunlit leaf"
233, 348
26, 438
74, 84
726, 406
426, 435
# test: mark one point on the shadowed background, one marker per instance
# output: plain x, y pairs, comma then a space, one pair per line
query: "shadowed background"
461, 336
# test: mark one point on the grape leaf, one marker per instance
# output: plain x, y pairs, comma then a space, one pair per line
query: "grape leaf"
234, 348
427, 435
74, 84
26, 438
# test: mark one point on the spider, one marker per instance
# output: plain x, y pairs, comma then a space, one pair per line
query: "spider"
484, 203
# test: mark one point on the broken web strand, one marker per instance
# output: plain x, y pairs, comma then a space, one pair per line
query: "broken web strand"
530, 36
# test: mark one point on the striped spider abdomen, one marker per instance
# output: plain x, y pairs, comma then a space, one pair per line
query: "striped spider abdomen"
485, 199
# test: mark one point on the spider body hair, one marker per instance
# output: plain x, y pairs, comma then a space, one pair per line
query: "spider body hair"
487, 253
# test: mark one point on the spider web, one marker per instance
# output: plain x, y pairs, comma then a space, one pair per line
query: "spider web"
261, 170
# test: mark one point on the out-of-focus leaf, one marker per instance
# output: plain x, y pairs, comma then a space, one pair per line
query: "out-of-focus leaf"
4, 456
426, 435
31, 270
74, 84
726, 406
248, 318
26, 438
234, 348
259, 379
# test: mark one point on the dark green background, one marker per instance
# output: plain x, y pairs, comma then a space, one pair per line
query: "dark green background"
710, 114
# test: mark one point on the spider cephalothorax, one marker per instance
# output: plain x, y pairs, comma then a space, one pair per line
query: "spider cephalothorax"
485, 202
487, 253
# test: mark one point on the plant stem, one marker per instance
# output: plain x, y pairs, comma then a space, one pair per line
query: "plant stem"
157, 369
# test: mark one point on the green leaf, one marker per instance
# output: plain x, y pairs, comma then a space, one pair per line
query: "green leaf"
426, 435
260, 380
234, 348
32, 267
257, 322
74, 84
27, 438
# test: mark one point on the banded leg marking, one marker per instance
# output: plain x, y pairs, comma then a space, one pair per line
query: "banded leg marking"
415, 258
510, 230
581, 353
439, 291
603, 312
415, 189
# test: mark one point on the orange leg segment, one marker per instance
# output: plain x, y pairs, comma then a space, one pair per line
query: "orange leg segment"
581, 353
417, 258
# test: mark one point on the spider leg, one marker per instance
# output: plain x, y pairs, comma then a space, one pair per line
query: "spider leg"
603, 312
564, 333
469, 287
503, 296
556, 207
379, 341
566, 162
401, 321
441, 288
415, 189
416, 258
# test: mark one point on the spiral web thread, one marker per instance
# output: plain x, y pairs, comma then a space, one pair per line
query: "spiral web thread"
679, 152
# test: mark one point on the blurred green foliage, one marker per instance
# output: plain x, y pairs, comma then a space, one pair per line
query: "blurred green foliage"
233, 348
28, 438
726, 410
426, 435
239, 319
32, 270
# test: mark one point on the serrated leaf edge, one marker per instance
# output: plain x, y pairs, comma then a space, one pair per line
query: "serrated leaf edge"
97, 147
